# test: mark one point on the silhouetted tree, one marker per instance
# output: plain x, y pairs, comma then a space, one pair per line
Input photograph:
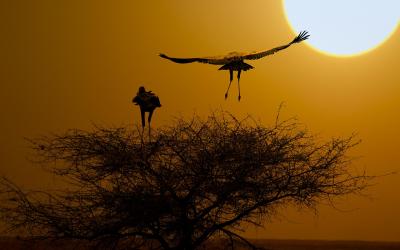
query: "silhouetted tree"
196, 180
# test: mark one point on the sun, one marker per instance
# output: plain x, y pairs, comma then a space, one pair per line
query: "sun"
344, 27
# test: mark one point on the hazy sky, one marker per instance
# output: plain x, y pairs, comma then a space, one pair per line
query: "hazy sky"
72, 63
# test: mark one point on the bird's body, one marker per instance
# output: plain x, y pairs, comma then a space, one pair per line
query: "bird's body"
235, 61
237, 65
147, 102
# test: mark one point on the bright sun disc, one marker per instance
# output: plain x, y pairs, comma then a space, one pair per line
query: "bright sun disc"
344, 27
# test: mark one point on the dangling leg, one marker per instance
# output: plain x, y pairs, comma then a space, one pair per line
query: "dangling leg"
238, 77
149, 121
230, 81
142, 115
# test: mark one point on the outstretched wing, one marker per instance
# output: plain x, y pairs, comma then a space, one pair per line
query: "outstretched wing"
217, 61
301, 37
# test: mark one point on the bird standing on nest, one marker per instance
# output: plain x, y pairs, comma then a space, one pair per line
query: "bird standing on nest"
234, 61
147, 102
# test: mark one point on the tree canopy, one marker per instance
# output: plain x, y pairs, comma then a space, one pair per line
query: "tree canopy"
192, 181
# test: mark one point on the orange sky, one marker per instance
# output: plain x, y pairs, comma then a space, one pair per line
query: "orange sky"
72, 63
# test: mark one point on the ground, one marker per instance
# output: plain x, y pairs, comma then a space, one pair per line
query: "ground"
7, 243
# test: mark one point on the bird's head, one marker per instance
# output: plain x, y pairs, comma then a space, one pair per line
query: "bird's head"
141, 90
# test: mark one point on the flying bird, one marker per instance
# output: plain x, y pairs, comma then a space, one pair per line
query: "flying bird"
235, 61
147, 102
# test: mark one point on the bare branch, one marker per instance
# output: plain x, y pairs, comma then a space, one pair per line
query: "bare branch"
193, 180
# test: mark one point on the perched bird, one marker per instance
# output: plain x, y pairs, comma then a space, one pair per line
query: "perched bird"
234, 61
147, 102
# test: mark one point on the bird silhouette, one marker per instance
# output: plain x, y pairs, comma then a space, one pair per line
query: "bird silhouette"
147, 102
235, 61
